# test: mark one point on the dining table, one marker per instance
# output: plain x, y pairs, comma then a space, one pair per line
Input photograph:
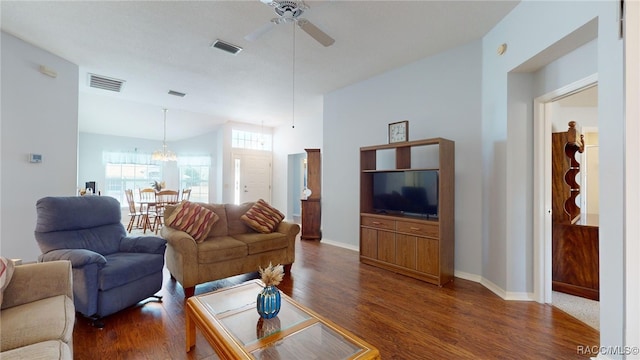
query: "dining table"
152, 207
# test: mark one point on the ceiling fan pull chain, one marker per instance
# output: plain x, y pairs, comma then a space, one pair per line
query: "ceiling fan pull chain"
293, 80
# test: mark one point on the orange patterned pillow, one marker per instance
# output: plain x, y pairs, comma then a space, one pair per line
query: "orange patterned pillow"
262, 217
193, 219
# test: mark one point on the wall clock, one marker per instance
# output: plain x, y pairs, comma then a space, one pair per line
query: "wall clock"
399, 131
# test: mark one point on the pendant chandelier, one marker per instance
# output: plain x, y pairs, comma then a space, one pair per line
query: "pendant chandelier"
164, 154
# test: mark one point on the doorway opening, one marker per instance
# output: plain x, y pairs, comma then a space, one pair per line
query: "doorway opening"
297, 182
552, 112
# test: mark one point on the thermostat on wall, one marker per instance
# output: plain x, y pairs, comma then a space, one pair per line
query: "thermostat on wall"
35, 158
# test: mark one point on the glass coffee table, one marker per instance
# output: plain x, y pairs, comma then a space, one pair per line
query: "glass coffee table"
229, 321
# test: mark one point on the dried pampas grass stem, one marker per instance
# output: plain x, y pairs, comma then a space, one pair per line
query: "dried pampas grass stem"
272, 275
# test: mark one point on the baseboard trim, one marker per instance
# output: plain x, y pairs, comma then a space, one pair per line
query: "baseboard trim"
340, 244
505, 295
467, 276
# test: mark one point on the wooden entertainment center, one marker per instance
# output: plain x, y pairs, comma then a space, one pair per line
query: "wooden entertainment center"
418, 246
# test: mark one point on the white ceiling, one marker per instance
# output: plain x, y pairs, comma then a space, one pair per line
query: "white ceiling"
165, 45
583, 98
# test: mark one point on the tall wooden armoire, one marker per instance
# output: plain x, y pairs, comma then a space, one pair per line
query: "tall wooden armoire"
311, 205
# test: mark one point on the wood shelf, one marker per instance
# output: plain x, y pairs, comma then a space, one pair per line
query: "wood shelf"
398, 170
419, 247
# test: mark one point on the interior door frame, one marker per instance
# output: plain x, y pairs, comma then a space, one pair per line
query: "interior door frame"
542, 257
632, 173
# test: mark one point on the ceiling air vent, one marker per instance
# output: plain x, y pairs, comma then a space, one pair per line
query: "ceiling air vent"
176, 93
105, 83
225, 46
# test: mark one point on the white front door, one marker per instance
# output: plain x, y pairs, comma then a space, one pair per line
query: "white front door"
252, 177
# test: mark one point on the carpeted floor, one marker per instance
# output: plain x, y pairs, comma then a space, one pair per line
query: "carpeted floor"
585, 310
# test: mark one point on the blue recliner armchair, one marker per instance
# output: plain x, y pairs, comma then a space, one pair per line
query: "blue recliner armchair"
111, 271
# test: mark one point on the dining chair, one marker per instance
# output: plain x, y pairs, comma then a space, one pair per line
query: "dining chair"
133, 212
186, 194
163, 198
148, 208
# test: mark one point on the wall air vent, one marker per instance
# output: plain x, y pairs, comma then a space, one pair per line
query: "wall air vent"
225, 46
176, 93
105, 83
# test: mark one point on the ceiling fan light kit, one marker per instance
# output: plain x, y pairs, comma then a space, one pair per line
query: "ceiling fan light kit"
289, 11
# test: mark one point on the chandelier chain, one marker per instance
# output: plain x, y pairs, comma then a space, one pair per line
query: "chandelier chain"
164, 137
165, 154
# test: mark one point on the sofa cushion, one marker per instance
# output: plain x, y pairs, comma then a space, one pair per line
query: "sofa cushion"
235, 224
262, 217
220, 249
192, 218
6, 271
258, 243
49, 350
220, 227
23, 325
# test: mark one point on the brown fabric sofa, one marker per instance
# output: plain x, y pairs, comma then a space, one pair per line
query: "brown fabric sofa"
38, 315
231, 248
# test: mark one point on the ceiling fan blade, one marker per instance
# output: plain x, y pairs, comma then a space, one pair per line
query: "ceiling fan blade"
260, 31
315, 32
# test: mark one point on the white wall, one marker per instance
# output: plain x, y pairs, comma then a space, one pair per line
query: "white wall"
516, 280
39, 115
440, 97
91, 147
206, 144
287, 140
217, 144
493, 138
528, 30
632, 173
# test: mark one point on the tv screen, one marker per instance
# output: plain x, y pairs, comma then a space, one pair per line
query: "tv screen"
406, 192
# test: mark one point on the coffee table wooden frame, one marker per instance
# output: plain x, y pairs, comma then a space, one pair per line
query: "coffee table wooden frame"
227, 346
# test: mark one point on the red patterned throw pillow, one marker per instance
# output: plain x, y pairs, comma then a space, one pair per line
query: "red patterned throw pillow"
6, 271
193, 219
262, 217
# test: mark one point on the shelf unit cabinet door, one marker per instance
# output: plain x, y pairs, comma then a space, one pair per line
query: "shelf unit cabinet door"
387, 246
428, 256
369, 245
406, 251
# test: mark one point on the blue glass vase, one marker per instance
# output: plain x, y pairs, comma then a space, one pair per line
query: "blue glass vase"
268, 302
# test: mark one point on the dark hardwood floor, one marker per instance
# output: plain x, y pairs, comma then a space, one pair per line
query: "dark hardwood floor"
403, 317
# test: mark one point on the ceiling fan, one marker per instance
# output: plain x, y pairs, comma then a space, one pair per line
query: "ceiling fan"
289, 11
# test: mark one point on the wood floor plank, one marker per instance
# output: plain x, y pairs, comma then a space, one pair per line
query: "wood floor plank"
403, 317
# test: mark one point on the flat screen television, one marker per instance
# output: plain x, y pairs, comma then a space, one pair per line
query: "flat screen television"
413, 193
